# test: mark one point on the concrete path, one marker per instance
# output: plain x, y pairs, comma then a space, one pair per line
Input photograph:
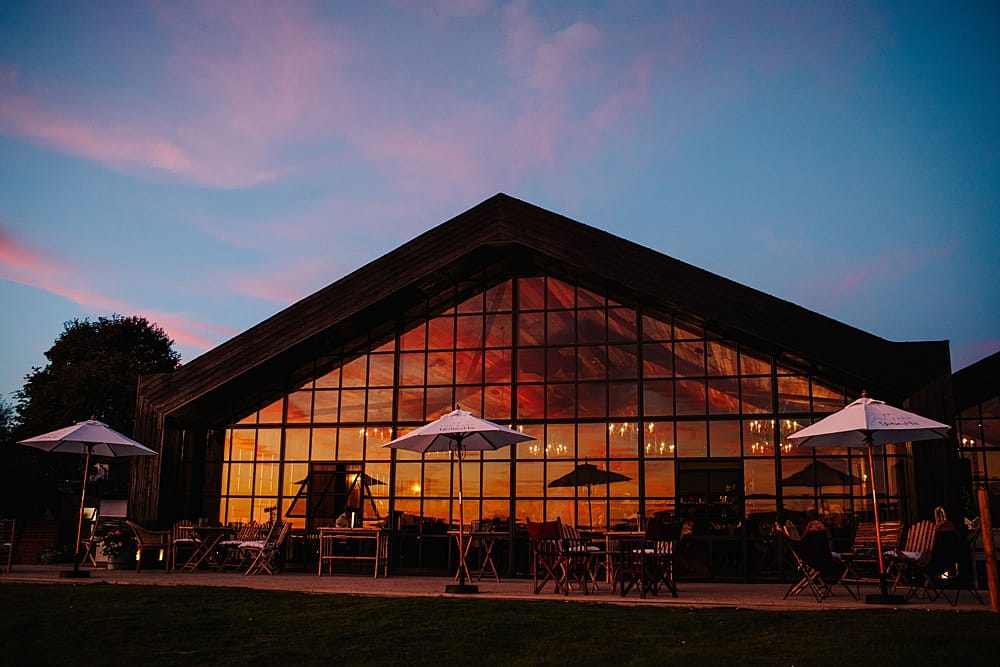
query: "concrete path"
692, 594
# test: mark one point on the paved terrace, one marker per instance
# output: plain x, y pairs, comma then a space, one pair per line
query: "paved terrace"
692, 594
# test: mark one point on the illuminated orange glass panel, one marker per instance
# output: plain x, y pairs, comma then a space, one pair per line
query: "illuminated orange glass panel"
721, 359
560, 401
408, 479
440, 367
587, 299
530, 479
243, 444
560, 294
411, 368
658, 397
826, 399
324, 444
414, 339
497, 402
381, 370
660, 478
297, 444
441, 333
758, 437
561, 327
560, 441
497, 509
690, 397
352, 405
623, 439
496, 479
352, 444
440, 401
498, 366
380, 404
658, 439
299, 407
756, 395
724, 438
623, 399
655, 329
469, 367
473, 304
753, 366
657, 360
622, 325
531, 328
470, 399
561, 363
623, 362
437, 478
268, 445
531, 401
793, 394
531, 293
689, 359
723, 396
758, 478
498, 330
238, 510
692, 439
266, 479
531, 365
687, 331
593, 398
272, 413
592, 362
240, 479
470, 332
438, 510
354, 372
330, 380
498, 298
326, 405
591, 327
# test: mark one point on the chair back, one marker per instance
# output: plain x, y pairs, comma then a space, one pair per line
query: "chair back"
945, 552
544, 530
814, 550
183, 530
920, 537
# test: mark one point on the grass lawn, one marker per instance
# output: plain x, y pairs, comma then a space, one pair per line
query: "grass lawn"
93, 624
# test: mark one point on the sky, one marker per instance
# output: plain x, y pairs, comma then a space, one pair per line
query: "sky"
206, 164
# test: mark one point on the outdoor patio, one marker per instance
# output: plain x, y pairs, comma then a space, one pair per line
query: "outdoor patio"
692, 594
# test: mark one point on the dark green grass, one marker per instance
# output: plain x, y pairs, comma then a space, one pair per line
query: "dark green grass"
99, 624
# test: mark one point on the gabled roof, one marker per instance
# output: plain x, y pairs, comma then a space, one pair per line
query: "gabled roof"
977, 383
504, 234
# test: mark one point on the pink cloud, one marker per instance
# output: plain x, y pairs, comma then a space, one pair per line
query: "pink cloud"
26, 265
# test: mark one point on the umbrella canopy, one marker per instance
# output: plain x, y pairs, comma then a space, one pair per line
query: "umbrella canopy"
820, 474
90, 438
459, 431
588, 474
864, 424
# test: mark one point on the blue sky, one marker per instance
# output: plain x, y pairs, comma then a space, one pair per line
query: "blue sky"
205, 164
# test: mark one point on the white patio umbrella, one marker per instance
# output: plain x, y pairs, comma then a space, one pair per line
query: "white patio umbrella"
90, 438
864, 424
459, 431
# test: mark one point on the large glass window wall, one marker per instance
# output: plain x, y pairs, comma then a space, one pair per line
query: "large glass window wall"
694, 425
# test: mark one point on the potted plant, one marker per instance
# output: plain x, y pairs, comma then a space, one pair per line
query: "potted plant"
119, 546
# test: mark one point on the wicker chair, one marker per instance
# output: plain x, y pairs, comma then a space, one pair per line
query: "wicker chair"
156, 540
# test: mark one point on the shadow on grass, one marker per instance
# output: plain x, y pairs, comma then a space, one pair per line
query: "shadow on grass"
45, 624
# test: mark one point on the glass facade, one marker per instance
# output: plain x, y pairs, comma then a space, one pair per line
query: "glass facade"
979, 443
697, 423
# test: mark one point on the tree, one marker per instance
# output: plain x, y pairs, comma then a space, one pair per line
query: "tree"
93, 372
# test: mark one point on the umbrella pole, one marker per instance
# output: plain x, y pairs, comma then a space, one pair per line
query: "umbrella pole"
463, 570
75, 572
883, 597
590, 509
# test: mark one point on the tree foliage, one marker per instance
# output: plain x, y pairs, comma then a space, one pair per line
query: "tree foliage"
93, 372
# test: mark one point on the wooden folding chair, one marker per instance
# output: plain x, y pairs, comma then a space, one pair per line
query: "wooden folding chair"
547, 554
819, 570
264, 554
